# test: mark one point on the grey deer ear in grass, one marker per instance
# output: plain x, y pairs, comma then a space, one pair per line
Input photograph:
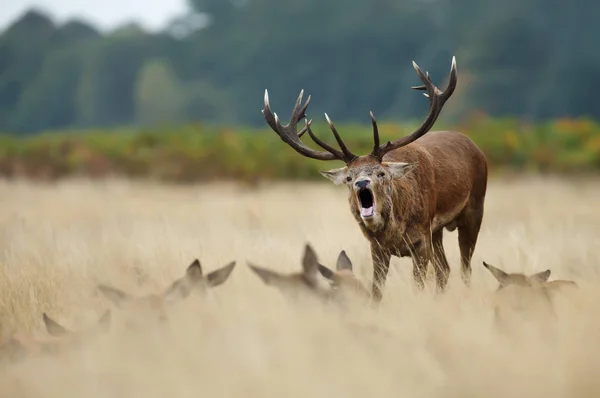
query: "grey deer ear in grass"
219, 276
540, 277
267, 276
116, 296
327, 273
53, 327
181, 288
194, 270
500, 275
310, 263
343, 262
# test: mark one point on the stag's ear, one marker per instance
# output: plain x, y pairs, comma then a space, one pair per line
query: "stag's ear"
399, 169
338, 176
500, 275
540, 277
343, 262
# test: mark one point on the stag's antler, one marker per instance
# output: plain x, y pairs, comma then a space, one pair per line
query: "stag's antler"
290, 135
437, 99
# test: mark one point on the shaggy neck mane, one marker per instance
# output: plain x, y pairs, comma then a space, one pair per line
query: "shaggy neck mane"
396, 205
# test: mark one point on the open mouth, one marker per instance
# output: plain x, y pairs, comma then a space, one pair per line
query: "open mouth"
367, 202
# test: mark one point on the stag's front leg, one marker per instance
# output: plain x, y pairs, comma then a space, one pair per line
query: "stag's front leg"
381, 265
440, 262
421, 253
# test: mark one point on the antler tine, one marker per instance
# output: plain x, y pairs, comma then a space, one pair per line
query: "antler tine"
375, 151
319, 142
348, 156
437, 99
302, 132
451, 82
302, 115
296, 114
289, 133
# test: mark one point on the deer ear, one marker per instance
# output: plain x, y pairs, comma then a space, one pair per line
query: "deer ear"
399, 169
217, 277
500, 275
326, 272
310, 263
343, 262
53, 327
338, 176
540, 277
267, 276
178, 290
117, 296
194, 271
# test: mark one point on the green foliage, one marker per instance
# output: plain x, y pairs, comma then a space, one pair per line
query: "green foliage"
523, 58
159, 94
199, 153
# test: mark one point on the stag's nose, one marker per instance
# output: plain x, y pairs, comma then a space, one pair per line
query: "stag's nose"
360, 184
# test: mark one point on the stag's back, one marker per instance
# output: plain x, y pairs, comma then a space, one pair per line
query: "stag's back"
450, 162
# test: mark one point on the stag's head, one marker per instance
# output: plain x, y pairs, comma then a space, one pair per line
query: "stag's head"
369, 178
155, 306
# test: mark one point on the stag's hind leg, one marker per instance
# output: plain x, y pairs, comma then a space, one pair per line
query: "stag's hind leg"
440, 262
469, 224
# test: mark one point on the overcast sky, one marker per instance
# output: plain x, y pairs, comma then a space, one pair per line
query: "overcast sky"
104, 14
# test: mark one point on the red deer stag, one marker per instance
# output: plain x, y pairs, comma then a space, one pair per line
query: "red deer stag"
406, 191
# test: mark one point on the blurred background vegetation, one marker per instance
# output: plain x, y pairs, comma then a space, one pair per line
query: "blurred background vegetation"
184, 104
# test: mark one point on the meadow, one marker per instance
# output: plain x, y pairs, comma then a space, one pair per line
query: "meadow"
59, 240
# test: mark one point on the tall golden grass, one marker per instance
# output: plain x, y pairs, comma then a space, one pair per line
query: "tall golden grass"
245, 339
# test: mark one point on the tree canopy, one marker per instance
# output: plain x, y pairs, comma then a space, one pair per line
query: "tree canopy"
525, 58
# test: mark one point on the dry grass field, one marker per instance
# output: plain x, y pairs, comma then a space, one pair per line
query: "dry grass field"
244, 339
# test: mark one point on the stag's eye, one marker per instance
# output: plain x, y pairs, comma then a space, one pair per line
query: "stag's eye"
348, 178
381, 174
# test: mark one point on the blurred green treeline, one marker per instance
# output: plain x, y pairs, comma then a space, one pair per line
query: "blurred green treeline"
196, 152
536, 60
